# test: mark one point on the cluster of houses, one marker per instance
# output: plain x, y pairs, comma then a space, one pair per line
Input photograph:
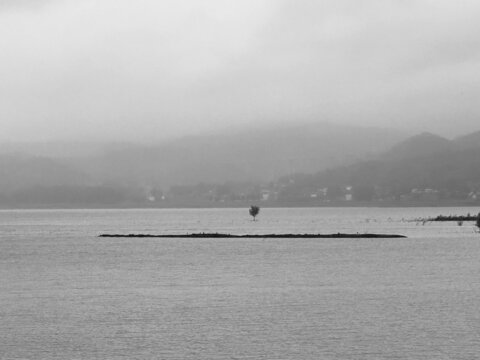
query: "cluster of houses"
291, 192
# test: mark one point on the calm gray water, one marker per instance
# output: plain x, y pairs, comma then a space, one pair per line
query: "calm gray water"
67, 294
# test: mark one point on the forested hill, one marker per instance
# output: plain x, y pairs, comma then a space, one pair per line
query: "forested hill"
424, 166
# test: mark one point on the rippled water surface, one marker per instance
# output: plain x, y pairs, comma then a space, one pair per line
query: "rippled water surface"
67, 294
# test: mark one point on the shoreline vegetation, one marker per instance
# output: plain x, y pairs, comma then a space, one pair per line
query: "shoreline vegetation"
445, 218
255, 236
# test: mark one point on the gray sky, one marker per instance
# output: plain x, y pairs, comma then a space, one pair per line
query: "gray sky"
148, 69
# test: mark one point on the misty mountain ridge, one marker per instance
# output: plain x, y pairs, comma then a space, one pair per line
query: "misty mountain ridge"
314, 156
426, 144
467, 141
261, 154
424, 167
423, 144
251, 155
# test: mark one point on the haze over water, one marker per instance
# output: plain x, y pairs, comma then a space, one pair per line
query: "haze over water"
66, 294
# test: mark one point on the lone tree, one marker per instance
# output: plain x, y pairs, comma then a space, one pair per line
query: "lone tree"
254, 210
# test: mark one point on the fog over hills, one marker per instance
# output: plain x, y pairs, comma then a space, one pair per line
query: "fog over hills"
60, 149
424, 167
260, 155
292, 162
467, 141
18, 171
423, 144
246, 155
426, 144
165, 72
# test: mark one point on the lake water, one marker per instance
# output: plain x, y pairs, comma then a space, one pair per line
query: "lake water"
67, 294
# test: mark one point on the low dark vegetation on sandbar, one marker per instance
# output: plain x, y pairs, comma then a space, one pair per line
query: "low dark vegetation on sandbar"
457, 218
255, 236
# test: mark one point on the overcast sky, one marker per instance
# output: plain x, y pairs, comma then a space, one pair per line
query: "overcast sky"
149, 69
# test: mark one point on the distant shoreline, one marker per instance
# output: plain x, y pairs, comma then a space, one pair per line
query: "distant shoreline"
217, 205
